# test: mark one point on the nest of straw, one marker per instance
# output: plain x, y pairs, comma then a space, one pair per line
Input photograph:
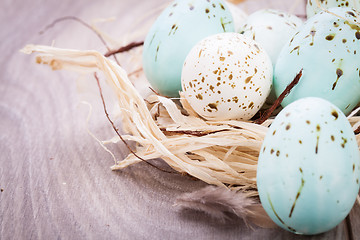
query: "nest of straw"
222, 153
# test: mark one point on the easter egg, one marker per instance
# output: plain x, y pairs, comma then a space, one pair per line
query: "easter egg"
178, 28
226, 76
238, 14
312, 6
271, 29
327, 48
309, 167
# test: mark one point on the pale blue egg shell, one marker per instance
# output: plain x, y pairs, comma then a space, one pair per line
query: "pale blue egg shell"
178, 28
312, 7
271, 29
309, 167
328, 50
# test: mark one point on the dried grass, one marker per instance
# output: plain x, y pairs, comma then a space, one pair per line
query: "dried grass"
222, 153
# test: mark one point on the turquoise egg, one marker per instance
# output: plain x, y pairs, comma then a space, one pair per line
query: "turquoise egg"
309, 167
312, 6
178, 28
271, 29
327, 48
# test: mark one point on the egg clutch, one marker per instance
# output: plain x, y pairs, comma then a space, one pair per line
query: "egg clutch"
227, 65
214, 68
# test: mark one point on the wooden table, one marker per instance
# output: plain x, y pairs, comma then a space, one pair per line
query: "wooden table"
55, 179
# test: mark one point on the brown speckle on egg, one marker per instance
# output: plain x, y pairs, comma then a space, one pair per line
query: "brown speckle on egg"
351, 13
357, 35
213, 106
318, 128
330, 37
335, 114
277, 153
344, 142
211, 88
247, 80
251, 105
296, 48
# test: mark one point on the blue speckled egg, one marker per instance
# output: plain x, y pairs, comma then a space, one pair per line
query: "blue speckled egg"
312, 6
238, 14
178, 28
328, 49
271, 29
309, 167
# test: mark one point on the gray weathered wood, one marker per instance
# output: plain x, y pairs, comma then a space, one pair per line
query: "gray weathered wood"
55, 179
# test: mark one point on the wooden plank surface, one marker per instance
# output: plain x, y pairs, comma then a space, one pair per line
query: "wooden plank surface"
55, 179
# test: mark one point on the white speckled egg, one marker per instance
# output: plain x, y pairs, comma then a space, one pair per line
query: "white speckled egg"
178, 28
309, 167
327, 48
312, 6
271, 29
226, 76
239, 15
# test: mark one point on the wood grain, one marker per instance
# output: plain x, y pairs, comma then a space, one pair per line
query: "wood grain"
55, 179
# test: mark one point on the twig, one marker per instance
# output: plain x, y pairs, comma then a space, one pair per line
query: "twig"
117, 132
73, 18
124, 48
302, 16
153, 90
135, 72
278, 101
189, 132
357, 131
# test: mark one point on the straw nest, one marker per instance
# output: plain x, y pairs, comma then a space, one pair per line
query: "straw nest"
222, 153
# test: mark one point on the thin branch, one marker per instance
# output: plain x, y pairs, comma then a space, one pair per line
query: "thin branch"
189, 132
76, 19
153, 90
117, 132
278, 101
124, 48
357, 131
